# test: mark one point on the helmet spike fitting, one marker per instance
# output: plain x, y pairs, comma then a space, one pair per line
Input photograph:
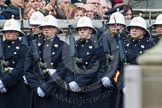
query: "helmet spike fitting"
12, 16
119, 18
140, 14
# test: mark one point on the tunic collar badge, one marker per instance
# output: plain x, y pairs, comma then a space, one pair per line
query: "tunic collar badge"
39, 44
17, 47
87, 53
90, 47
55, 45
142, 46
140, 52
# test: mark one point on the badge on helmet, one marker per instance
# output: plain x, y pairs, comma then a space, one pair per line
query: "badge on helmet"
36, 18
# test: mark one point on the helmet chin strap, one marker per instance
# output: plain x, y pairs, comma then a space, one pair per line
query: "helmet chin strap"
138, 38
49, 37
89, 36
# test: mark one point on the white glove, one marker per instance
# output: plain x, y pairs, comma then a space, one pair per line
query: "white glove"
74, 86
3, 90
2, 87
25, 80
124, 90
51, 71
106, 82
1, 84
40, 92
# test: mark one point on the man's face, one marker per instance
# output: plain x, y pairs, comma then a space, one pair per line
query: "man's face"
11, 35
64, 3
35, 29
89, 10
52, 2
95, 3
112, 28
49, 31
41, 4
33, 3
1, 2
84, 32
158, 29
137, 32
18, 3
105, 7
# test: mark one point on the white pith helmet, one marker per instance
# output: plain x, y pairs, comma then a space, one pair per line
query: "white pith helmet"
158, 20
138, 22
50, 20
85, 22
36, 18
12, 25
118, 17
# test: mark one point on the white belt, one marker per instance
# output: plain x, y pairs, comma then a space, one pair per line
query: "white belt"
25, 80
10, 68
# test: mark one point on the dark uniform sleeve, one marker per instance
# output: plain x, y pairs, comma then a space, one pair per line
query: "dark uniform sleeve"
17, 73
86, 76
29, 73
60, 76
103, 40
114, 65
103, 67
64, 66
68, 63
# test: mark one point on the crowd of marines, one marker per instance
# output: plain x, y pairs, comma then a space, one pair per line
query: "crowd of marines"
85, 73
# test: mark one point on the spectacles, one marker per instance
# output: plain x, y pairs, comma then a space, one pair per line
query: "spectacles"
48, 27
135, 27
128, 14
83, 28
158, 26
66, 2
88, 11
94, 3
103, 7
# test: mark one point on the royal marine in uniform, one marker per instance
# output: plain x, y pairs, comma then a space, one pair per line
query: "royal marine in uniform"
115, 47
158, 28
139, 41
12, 87
35, 21
35, 33
45, 74
89, 64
